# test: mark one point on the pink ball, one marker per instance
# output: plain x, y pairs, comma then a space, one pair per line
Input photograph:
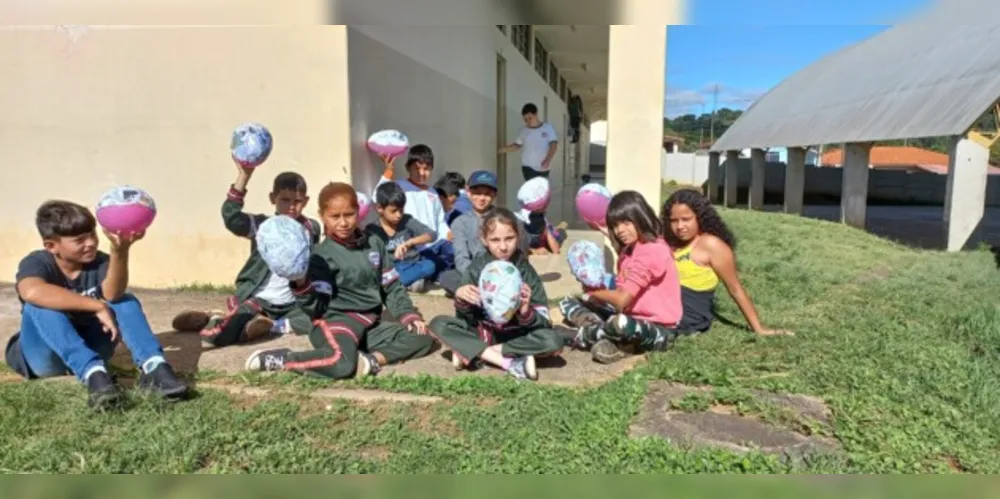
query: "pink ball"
364, 206
389, 142
592, 204
126, 209
535, 194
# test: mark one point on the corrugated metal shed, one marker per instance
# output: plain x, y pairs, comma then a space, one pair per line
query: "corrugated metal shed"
919, 79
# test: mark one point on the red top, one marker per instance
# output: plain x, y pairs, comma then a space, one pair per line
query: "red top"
648, 273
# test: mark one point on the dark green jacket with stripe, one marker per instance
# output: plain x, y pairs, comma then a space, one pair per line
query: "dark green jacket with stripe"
255, 273
354, 278
538, 314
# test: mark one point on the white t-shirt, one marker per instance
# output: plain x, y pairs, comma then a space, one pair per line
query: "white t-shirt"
276, 291
424, 205
534, 144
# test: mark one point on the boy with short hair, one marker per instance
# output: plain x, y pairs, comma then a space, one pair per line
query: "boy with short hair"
402, 234
449, 192
263, 303
462, 203
465, 230
423, 203
75, 307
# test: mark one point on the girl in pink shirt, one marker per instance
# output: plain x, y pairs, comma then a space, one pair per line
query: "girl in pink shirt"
644, 308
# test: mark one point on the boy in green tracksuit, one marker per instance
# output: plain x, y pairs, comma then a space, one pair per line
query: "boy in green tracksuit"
351, 279
263, 303
471, 336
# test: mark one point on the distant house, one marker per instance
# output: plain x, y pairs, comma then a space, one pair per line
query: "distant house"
904, 158
672, 143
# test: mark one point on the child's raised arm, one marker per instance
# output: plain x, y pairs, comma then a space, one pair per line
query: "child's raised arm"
233, 217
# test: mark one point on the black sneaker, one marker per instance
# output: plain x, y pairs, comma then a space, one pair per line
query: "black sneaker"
367, 365
163, 381
267, 360
104, 394
606, 352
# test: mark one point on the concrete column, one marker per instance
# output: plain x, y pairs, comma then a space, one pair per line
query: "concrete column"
967, 176
636, 65
714, 160
758, 168
732, 187
854, 193
795, 180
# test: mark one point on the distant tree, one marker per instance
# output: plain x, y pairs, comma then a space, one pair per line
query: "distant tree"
696, 130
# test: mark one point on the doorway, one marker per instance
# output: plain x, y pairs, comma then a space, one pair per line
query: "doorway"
501, 96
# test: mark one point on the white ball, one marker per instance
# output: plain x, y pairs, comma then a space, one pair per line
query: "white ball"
285, 246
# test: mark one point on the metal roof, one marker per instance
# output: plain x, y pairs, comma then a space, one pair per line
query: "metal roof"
920, 79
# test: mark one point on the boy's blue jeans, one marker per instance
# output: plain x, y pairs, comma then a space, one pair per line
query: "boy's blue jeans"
415, 269
50, 344
442, 253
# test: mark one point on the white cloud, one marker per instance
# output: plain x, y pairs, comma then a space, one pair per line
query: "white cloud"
686, 101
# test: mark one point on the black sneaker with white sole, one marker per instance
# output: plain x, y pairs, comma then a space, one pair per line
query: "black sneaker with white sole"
367, 365
163, 381
103, 393
268, 360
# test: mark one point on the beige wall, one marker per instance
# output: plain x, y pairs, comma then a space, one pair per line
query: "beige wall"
88, 108
437, 84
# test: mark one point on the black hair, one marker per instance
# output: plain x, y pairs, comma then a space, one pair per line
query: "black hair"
630, 206
420, 153
529, 108
456, 177
447, 187
709, 221
497, 215
56, 219
390, 194
289, 181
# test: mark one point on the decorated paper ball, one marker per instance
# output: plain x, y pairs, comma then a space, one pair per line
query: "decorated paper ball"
364, 205
389, 142
586, 263
592, 204
125, 209
534, 195
251, 144
284, 245
500, 291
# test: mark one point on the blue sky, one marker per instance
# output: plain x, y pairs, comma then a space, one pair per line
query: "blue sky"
745, 47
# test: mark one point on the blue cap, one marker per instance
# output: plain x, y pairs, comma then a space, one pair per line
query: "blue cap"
482, 178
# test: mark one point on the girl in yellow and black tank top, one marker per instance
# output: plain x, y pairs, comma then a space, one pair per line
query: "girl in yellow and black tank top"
704, 254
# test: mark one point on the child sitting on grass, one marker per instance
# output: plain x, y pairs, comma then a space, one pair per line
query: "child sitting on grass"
75, 307
350, 282
471, 336
402, 234
645, 308
263, 303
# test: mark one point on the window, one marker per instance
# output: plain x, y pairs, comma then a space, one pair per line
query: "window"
502, 28
562, 89
772, 157
554, 77
520, 37
541, 59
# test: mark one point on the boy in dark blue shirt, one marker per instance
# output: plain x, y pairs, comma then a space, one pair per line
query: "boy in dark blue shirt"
75, 308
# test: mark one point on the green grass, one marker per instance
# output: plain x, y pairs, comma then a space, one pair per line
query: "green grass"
902, 344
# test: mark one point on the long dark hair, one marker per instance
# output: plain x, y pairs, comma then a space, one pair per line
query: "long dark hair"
630, 206
709, 221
